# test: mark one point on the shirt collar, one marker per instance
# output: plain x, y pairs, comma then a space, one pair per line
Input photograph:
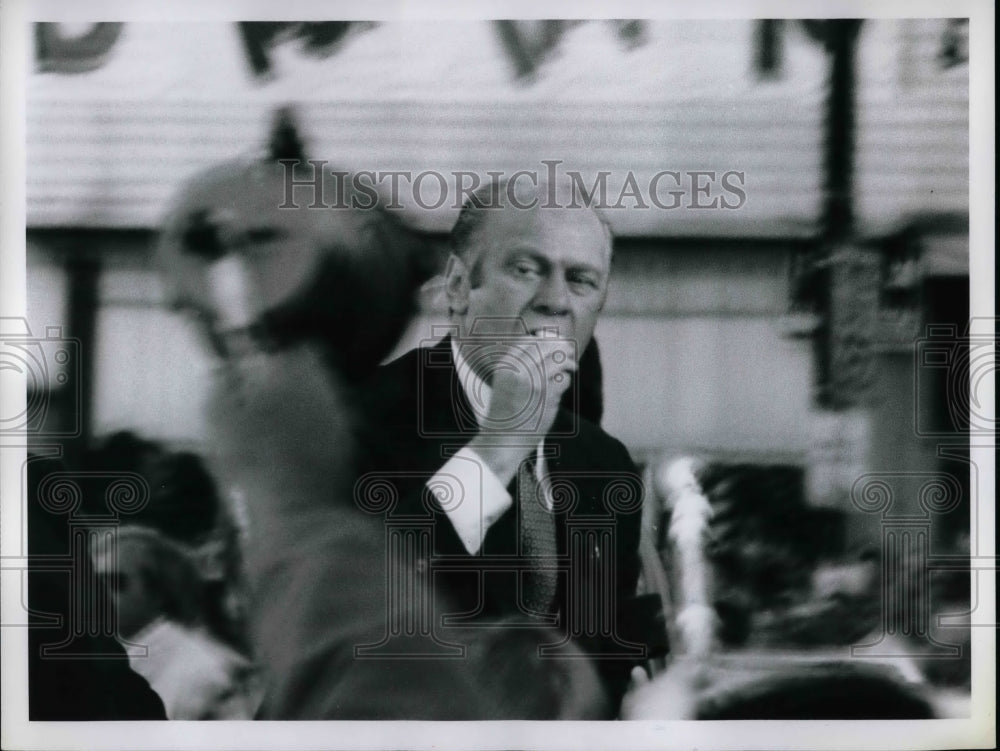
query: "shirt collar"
150, 631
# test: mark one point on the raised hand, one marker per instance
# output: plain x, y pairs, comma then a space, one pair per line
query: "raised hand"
528, 376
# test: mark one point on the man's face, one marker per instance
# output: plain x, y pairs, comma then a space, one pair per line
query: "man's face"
134, 604
547, 268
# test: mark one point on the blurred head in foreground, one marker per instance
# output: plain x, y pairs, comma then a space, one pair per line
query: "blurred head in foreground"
267, 253
148, 577
157, 593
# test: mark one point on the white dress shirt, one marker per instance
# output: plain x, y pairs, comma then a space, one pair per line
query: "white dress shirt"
470, 493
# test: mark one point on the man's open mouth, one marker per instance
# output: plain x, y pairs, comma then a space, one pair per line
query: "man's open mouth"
545, 332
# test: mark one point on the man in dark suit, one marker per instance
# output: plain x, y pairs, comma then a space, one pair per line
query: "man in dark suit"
531, 511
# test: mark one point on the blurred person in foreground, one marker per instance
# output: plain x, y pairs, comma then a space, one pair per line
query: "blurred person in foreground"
472, 433
299, 306
705, 681
76, 670
157, 596
184, 506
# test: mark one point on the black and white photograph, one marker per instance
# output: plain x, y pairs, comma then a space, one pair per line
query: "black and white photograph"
515, 376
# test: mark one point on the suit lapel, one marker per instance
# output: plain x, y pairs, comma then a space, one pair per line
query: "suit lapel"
446, 412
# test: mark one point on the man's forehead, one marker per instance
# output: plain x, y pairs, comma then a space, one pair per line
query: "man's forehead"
577, 229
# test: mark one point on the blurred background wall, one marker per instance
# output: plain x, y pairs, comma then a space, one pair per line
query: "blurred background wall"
783, 331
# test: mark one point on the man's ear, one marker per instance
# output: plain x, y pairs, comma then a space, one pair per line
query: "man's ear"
456, 285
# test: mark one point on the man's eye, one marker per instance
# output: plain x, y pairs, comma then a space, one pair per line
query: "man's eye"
583, 281
525, 269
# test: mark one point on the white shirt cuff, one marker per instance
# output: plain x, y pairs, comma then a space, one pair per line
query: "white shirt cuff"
471, 495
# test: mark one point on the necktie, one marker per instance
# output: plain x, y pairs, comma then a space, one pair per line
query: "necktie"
538, 539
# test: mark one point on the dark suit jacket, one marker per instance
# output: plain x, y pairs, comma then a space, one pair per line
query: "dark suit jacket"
423, 418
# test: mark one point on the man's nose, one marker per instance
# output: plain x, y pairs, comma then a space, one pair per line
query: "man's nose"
552, 295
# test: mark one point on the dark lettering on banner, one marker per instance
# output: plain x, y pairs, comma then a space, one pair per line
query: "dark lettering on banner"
57, 51
769, 51
954, 43
529, 43
320, 39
